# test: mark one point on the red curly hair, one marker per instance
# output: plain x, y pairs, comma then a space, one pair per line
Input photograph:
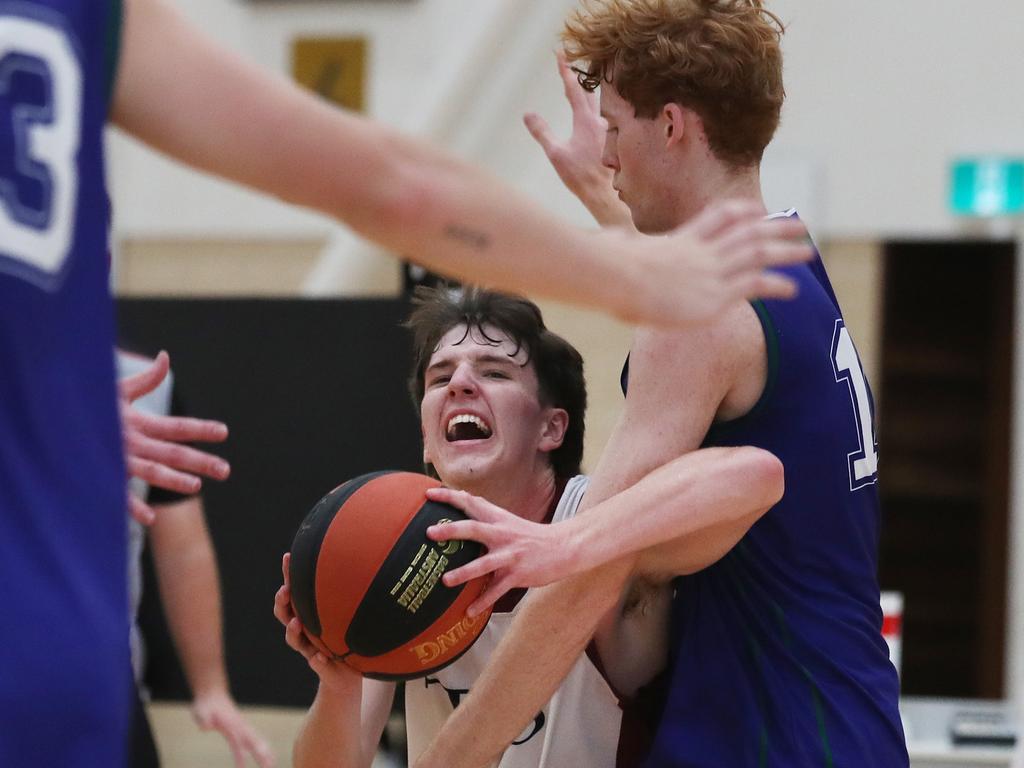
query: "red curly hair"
720, 58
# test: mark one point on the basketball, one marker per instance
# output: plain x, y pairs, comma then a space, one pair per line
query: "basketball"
366, 580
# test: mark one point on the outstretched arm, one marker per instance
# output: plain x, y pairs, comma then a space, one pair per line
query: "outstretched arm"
679, 519
217, 112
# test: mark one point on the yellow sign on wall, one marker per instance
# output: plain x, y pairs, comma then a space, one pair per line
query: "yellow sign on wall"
333, 67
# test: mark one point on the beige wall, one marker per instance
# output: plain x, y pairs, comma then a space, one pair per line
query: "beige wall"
186, 267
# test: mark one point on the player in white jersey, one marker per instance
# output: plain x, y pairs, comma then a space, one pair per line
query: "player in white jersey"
501, 403
588, 721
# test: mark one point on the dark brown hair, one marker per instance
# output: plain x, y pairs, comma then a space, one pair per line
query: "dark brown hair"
720, 58
558, 365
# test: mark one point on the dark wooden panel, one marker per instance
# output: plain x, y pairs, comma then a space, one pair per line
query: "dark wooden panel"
944, 448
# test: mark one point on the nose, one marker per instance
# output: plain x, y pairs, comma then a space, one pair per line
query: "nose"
462, 382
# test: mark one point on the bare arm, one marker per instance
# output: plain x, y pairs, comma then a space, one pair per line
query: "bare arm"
678, 382
679, 519
203, 105
344, 725
186, 570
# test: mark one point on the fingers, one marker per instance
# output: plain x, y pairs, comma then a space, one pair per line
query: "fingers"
134, 387
767, 285
260, 750
574, 92
177, 428
283, 611
460, 530
262, 753
286, 564
174, 456
494, 591
473, 569
297, 640
541, 131
717, 218
766, 243
140, 510
161, 476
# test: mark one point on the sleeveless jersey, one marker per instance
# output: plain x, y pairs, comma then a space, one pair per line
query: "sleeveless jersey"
778, 657
64, 668
582, 724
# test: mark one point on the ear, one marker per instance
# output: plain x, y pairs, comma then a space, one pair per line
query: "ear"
423, 440
673, 124
555, 425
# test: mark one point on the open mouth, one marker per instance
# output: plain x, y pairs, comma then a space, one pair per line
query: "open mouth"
466, 426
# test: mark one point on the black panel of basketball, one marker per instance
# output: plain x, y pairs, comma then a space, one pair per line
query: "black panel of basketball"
407, 595
306, 550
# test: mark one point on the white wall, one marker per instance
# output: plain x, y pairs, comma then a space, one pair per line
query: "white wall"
881, 96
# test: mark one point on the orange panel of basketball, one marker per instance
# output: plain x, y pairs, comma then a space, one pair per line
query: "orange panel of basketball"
366, 580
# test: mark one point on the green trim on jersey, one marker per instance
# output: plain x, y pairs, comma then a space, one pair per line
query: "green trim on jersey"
738, 581
720, 429
115, 27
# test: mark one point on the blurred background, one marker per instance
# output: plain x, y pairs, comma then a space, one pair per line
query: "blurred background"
901, 145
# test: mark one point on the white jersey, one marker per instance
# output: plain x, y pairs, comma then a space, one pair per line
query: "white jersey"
582, 724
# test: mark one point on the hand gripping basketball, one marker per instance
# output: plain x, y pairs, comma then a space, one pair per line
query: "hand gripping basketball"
366, 582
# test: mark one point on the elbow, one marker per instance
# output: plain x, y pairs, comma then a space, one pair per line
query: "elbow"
764, 474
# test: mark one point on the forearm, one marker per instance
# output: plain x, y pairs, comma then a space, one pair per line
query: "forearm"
409, 197
713, 489
330, 734
186, 570
552, 629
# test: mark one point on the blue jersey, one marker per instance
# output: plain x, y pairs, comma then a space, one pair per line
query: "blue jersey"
779, 659
64, 668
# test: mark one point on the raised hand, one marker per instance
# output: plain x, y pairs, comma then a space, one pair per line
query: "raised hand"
578, 159
153, 444
520, 553
723, 255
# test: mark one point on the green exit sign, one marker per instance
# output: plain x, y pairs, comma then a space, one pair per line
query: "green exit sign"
987, 186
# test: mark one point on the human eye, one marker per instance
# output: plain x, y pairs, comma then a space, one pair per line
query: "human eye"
496, 374
439, 380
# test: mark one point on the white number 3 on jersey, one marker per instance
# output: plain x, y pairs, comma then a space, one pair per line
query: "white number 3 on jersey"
846, 364
46, 136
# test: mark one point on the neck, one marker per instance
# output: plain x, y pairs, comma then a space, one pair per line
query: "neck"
528, 497
710, 182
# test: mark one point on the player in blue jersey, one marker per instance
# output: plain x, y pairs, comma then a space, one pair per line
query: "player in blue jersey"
778, 655
66, 66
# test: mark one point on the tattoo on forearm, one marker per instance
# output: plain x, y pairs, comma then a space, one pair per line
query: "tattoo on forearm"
471, 237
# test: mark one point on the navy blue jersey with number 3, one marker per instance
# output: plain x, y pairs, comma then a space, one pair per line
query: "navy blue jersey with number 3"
64, 671
779, 658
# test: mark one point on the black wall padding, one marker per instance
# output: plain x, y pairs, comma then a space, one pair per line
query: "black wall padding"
314, 394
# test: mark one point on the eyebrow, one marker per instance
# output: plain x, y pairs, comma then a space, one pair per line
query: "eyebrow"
487, 359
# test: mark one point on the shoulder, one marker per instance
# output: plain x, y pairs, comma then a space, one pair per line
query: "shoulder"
701, 364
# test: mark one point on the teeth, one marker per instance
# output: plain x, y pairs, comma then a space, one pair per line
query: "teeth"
468, 418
